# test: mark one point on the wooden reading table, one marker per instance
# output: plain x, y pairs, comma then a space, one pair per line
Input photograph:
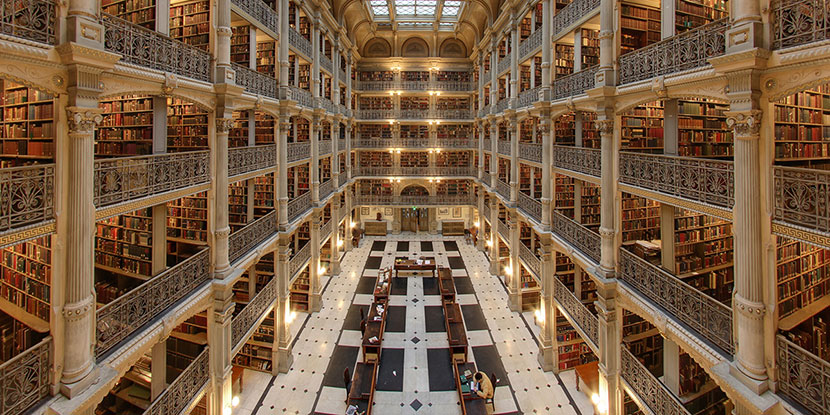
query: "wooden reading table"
363, 386
413, 266
446, 285
375, 326
382, 286
456, 333
470, 402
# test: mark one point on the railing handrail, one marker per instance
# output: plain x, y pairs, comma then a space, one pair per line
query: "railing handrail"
804, 367
649, 390
574, 83
269, 90
243, 322
582, 316
817, 28
184, 389
248, 242
802, 198
265, 156
36, 378
39, 198
573, 234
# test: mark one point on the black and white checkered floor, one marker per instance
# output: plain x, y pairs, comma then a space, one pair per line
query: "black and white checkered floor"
415, 375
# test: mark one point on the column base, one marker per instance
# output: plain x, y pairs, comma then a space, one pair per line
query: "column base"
494, 265
315, 302
547, 357
335, 266
282, 360
71, 390
514, 300
755, 385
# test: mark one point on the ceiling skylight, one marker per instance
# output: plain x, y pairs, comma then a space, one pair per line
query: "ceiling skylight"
417, 13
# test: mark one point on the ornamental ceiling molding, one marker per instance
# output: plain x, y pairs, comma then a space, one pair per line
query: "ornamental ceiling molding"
711, 88
122, 83
785, 81
19, 235
48, 77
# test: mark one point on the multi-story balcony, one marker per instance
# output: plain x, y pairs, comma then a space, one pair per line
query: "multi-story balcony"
244, 160
580, 160
326, 188
381, 143
504, 148
688, 50
530, 152
573, 15
456, 114
186, 390
298, 205
414, 86
343, 77
28, 197
574, 84
803, 377
324, 147
245, 323
299, 95
298, 151
327, 105
30, 19
801, 203
151, 49
251, 236
456, 143
650, 391
529, 97
531, 261
530, 45
530, 206
364, 114
299, 43
326, 64
576, 311
27, 378
428, 200
503, 65
486, 179
502, 105
798, 22
503, 189
578, 236
257, 11
503, 229
456, 171
484, 111
256, 82
487, 144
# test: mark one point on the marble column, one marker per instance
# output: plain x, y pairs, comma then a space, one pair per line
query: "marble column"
220, 193
314, 164
514, 159
219, 354
514, 61
281, 352
548, 355
282, 169
315, 290
513, 277
334, 264
547, 160
494, 236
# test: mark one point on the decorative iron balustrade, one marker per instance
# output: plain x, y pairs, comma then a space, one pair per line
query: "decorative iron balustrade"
250, 315
487, 144
503, 65
486, 179
327, 105
503, 189
298, 205
486, 78
455, 171
118, 319
581, 315
502, 105
802, 198
533, 42
487, 212
528, 97
343, 110
484, 111
261, 12
697, 180
325, 229
415, 171
256, 82
123, 179
649, 390
185, 389
702, 313
534, 264
326, 188
578, 159
457, 114
803, 377
344, 210
29, 19
572, 13
412, 114
343, 77
27, 196
454, 86
412, 142
688, 50
243, 160
26, 378
377, 143
151, 49
504, 147
367, 86
295, 264
298, 151
325, 63
414, 85
300, 96
455, 143
530, 206
300, 43
577, 235
530, 152
504, 230
341, 145
376, 114
574, 84
251, 235
324, 147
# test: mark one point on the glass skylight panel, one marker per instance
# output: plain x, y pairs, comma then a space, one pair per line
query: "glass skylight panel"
425, 7
379, 7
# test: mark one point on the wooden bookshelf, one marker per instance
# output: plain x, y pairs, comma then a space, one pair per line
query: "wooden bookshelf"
408, 131
190, 22
452, 76
27, 128
590, 48
375, 187
238, 205
299, 180
802, 278
138, 12
127, 127
531, 290
702, 129
451, 104
643, 340
693, 13
811, 334
415, 76
590, 206
640, 218
123, 247
187, 219
414, 104
266, 53
264, 194
453, 158
257, 353
300, 291
187, 127
453, 187
376, 76
238, 134
241, 45
565, 130
375, 159
16, 337
642, 128
264, 128
453, 131
564, 195
25, 289
564, 61
572, 349
639, 26
384, 131
802, 125
701, 243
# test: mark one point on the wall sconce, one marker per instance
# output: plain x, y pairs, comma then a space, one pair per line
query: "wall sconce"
508, 270
352, 225
339, 243
321, 270
489, 243
476, 224
235, 401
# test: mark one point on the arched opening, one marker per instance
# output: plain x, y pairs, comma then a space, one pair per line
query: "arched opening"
415, 47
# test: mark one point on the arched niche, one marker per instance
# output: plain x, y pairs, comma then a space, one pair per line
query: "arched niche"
415, 47
452, 48
377, 48
414, 190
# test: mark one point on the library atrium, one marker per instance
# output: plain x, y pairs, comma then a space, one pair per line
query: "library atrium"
258, 207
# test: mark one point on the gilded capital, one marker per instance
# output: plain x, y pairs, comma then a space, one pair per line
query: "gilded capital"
745, 124
83, 120
224, 125
605, 127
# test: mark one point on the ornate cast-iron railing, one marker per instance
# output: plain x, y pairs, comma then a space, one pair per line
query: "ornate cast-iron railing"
325, 229
382, 143
454, 86
416, 200
326, 64
688, 50
300, 43
487, 144
326, 188
128, 178
502, 105
324, 147
578, 159
486, 77
803, 377
412, 114
300, 96
343, 78
250, 236
702, 313
341, 145
298, 151
697, 180
486, 212
415, 171
26, 378
414, 85
29, 19
530, 44
376, 85
574, 84
528, 97
504, 230
247, 318
530, 259
503, 189
484, 111
376, 114
530, 152
26, 196
580, 314
530, 206
486, 179
802, 198
571, 13
504, 64
798, 22
649, 390
185, 389
504, 147
117, 320
577, 235
261, 12
457, 114
298, 205
295, 264
243, 160
256, 82
151, 49
327, 105
456, 143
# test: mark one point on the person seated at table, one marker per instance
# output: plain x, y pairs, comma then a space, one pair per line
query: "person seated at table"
484, 388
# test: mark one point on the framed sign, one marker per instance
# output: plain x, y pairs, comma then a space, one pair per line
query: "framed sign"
456, 212
364, 211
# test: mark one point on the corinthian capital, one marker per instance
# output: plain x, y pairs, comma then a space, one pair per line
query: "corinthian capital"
605, 126
747, 124
224, 125
83, 120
